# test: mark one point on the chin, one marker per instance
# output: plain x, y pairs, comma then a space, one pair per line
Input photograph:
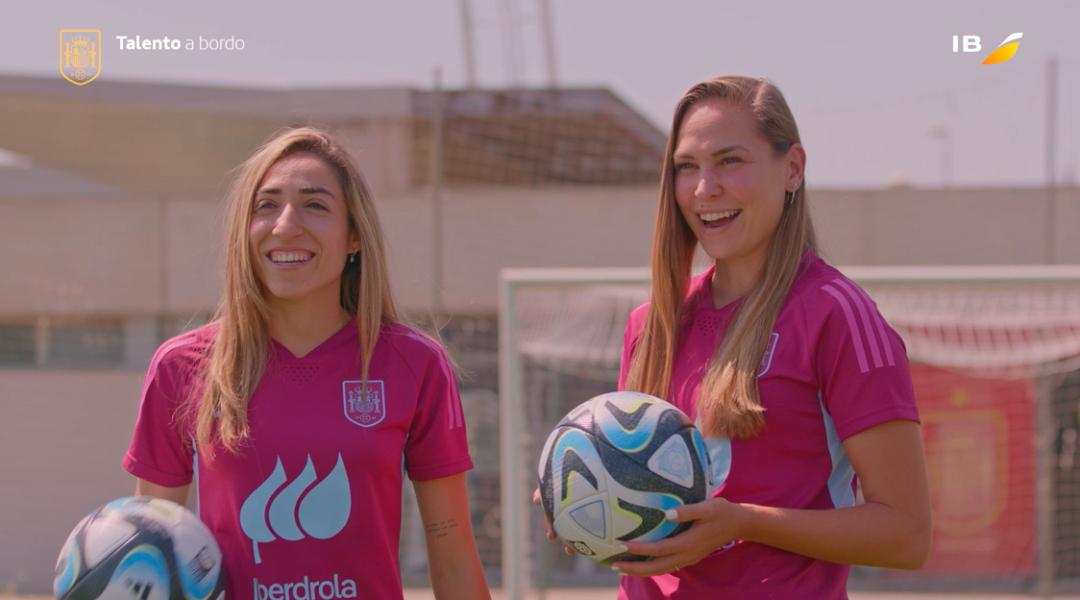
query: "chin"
286, 294
291, 293
720, 254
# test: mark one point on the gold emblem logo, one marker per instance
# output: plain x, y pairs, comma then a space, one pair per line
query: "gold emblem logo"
80, 55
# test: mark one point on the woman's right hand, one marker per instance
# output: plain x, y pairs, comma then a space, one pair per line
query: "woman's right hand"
547, 524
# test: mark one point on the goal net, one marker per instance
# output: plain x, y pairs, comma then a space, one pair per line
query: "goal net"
995, 354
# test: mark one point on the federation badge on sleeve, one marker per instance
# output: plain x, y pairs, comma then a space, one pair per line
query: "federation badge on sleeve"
364, 401
766, 359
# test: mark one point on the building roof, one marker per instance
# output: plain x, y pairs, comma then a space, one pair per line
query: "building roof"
584, 136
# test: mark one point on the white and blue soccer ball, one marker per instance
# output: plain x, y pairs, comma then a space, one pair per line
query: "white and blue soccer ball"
613, 466
140, 548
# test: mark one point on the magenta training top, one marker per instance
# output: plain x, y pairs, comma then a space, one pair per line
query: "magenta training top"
833, 367
310, 507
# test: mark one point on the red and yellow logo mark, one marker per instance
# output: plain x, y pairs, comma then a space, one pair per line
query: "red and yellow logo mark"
1005, 51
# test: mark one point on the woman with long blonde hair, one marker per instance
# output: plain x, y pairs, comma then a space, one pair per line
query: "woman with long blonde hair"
799, 385
295, 410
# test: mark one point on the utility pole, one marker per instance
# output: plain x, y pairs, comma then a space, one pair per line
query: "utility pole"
468, 44
943, 133
1051, 160
509, 20
547, 28
436, 195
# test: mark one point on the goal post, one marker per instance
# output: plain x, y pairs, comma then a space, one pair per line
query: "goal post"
514, 462
995, 354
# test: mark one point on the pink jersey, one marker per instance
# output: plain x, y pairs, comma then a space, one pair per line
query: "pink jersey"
833, 368
310, 507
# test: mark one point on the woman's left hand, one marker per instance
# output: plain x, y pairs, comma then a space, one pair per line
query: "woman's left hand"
715, 524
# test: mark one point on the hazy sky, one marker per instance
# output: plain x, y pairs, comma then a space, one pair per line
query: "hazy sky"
868, 81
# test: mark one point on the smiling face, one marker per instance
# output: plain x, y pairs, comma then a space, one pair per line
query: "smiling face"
729, 183
299, 232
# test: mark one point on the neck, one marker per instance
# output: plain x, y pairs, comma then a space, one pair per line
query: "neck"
301, 325
734, 278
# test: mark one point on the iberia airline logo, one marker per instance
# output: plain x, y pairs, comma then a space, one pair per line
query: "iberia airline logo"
967, 44
1005, 50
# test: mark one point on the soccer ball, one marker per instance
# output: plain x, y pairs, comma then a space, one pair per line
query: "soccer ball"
613, 465
140, 548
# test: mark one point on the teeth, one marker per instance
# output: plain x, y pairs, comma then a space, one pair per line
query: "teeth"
716, 216
290, 257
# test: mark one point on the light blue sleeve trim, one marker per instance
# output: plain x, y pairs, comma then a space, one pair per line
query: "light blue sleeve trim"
842, 476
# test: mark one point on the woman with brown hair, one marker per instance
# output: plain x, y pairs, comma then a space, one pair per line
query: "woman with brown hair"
293, 412
799, 385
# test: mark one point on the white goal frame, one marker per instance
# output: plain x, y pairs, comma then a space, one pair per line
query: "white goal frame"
516, 506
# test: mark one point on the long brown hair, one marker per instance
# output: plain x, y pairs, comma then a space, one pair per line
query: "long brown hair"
239, 351
728, 401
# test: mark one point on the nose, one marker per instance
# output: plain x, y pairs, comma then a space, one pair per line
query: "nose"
288, 222
708, 184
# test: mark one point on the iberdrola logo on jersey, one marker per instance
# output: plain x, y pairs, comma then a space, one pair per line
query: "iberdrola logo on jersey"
299, 509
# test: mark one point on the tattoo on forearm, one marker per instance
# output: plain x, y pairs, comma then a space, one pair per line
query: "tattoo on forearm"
441, 529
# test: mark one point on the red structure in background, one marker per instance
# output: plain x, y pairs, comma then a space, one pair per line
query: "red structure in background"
980, 453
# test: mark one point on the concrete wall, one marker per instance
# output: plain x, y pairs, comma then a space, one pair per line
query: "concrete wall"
114, 256
68, 256
149, 255
490, 229
381, 148
63, 436
153, 147
957, 226
128, 144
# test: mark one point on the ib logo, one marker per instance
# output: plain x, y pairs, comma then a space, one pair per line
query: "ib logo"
80, 55
280, 509
973, 43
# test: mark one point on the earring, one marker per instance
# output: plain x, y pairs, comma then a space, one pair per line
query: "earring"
352, 257
789, 197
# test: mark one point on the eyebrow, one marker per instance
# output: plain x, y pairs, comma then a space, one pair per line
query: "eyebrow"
304, 190
723, 150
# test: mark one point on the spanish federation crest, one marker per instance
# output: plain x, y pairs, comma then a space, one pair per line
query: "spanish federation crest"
80, 55
364, 402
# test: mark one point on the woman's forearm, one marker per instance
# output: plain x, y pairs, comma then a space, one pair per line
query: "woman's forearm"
454, 563
871, 534
458, 575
